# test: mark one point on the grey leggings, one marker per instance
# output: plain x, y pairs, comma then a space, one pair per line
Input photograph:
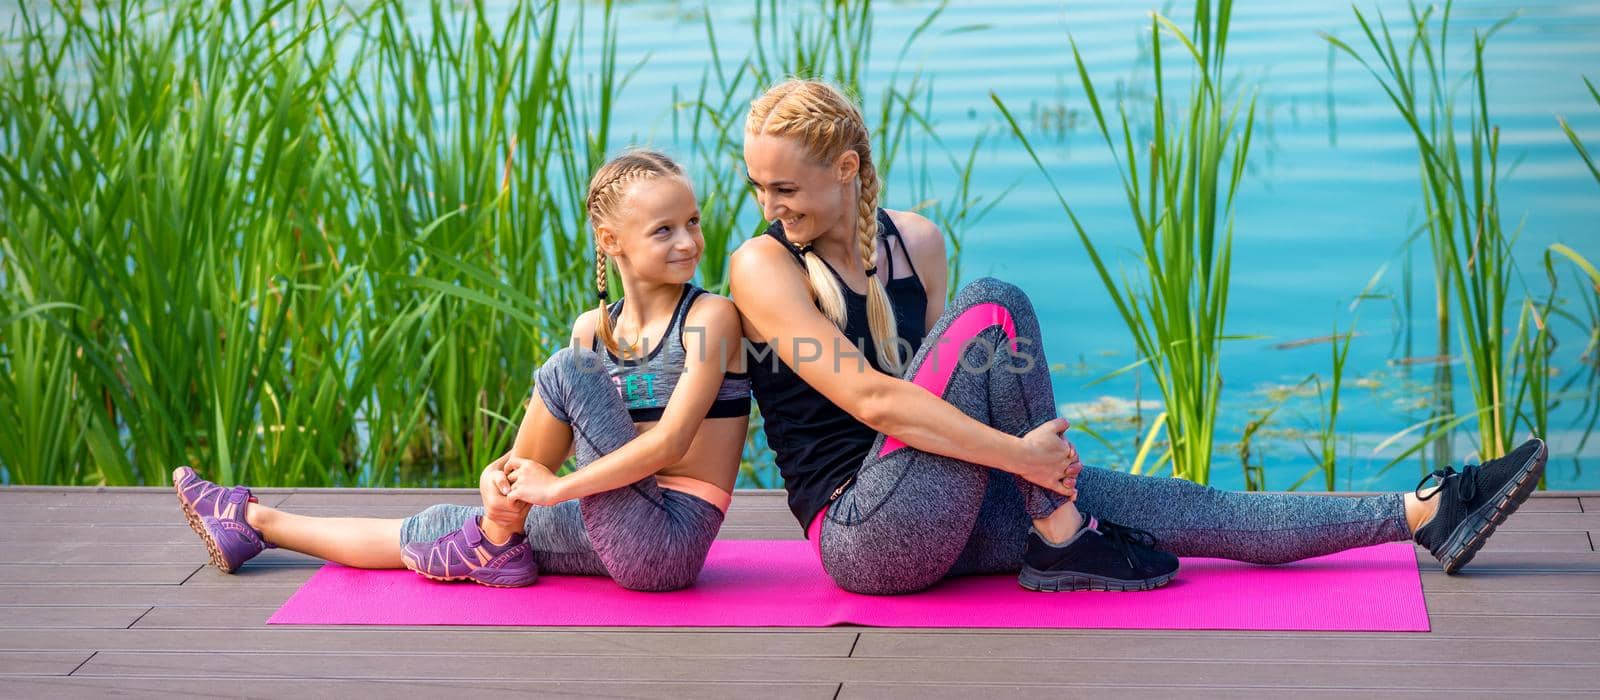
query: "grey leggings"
645, 537
911, 518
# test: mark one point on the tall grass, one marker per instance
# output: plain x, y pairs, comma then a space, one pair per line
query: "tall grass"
227, 246
1587, 381
304, 243
1181, 205
1474, 268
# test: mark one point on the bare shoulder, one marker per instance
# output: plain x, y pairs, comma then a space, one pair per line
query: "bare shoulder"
924, 240
757, 250
712, 311
583, 328
760, 264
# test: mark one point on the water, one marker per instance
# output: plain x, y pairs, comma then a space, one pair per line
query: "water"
1331, 195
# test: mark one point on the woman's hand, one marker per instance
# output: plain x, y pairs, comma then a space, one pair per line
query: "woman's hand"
533, 483
493, 486
1050, 460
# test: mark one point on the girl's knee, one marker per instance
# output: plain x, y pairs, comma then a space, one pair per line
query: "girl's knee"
570, 370
436, 521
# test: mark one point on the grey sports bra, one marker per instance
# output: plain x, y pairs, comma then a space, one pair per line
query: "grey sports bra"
646, 384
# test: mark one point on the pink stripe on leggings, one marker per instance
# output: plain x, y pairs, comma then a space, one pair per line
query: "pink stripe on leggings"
935, 372
814, 530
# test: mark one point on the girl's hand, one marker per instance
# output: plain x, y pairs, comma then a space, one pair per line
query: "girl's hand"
1050, 460
534, 484
493, 487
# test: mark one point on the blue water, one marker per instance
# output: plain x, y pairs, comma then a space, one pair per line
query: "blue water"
1329, 199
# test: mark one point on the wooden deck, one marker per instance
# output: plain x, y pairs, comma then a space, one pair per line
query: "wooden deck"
107, 590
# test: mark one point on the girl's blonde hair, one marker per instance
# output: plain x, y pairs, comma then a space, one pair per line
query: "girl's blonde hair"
604, 201
826, 124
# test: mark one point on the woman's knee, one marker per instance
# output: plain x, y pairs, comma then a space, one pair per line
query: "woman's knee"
856, 576
994, 291
657, 576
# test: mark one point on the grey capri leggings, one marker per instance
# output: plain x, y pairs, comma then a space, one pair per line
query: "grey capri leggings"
911, 518
645, 537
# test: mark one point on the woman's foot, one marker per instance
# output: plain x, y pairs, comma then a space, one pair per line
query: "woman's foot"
217, 515
1473, 502
1100, 557
466, 555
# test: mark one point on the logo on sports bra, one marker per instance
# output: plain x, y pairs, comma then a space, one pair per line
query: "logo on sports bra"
637, 390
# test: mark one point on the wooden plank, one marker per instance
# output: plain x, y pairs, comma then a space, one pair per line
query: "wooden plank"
64, 617
817, 643
54, 663
1514, 604
1522, 562
1088, 646
1543, 541
169, 533
1473, 674
238, 616
1551, 504
1434, 581
96, 498
95, 552
1516, 627
1544, 522
251, 575
67, 574
80, 686
190, 595
167, 514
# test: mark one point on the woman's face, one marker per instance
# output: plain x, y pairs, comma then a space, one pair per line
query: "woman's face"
809, 198
656, 235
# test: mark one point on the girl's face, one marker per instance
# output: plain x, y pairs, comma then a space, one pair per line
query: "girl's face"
656, 235
809, 198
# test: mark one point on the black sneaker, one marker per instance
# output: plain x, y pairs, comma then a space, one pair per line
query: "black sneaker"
1101, 557
1475, 501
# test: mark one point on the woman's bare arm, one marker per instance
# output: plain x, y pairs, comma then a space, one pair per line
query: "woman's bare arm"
775, 306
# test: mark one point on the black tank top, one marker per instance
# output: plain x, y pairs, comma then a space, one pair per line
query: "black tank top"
817, 445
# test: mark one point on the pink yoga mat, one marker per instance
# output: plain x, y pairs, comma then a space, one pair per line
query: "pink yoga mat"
781, 584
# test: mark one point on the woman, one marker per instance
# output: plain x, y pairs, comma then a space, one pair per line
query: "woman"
919, 442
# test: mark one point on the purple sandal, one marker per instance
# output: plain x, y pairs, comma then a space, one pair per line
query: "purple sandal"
466, 555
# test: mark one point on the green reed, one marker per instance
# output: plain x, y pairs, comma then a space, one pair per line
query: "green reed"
1474, 268
303, 243
1182, 210
226, 246
1588, 276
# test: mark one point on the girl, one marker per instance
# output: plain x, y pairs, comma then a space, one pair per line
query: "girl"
642, 398
919, 442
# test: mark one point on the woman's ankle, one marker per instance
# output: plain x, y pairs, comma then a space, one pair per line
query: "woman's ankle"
1060, 525
1418, 511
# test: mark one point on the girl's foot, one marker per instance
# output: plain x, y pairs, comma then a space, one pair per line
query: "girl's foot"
1473, 502
466, 555
216, 514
